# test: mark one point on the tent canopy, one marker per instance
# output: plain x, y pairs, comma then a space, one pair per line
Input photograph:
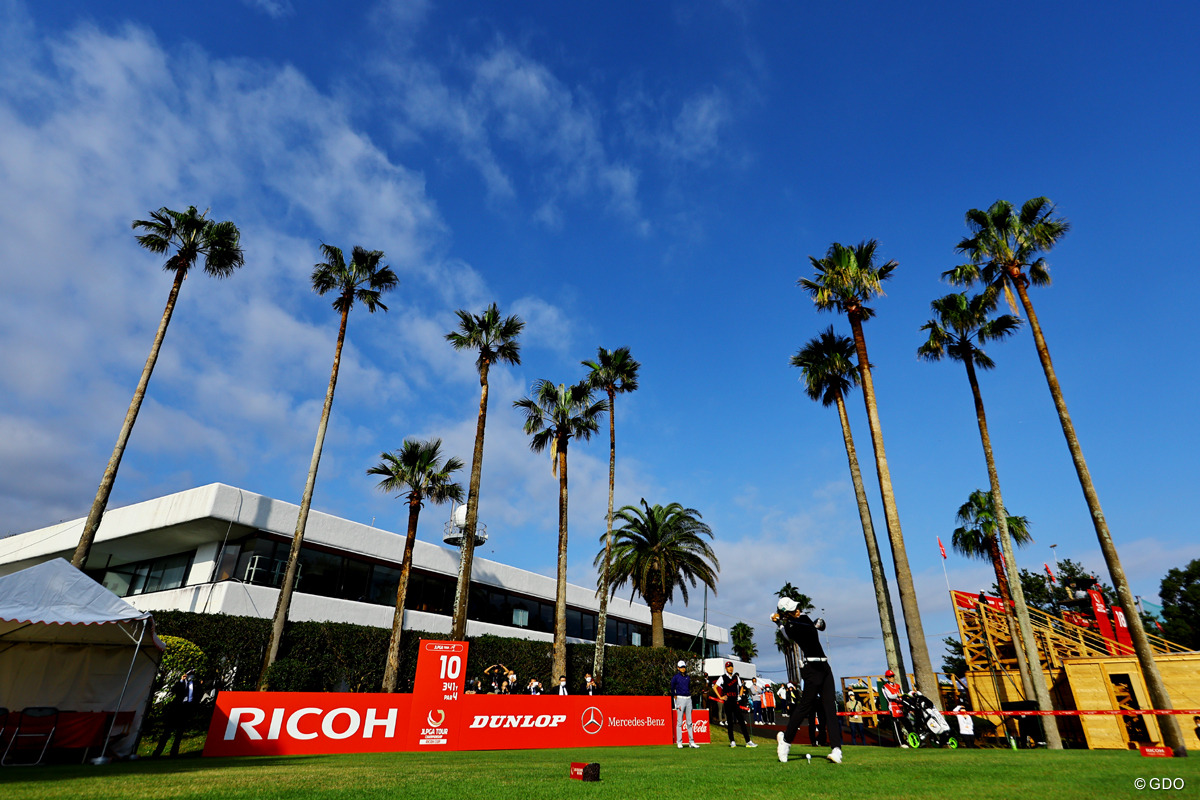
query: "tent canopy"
67, 642
55, 603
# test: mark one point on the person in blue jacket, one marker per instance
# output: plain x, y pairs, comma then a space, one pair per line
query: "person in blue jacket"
681, 701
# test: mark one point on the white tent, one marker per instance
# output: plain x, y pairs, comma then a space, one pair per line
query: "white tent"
67, 642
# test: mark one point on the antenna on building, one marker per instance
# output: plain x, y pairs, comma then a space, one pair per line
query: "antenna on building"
457, 524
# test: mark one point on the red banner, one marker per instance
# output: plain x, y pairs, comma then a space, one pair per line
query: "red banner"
1121, 626
296, 723
969, 601
1102, 622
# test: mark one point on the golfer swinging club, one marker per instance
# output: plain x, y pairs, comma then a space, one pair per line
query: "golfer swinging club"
818, 678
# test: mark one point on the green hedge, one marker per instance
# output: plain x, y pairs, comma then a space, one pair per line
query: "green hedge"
338, 656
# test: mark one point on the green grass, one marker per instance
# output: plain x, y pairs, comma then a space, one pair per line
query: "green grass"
627, 773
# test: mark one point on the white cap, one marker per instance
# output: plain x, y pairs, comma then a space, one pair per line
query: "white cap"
787, 605
681, 664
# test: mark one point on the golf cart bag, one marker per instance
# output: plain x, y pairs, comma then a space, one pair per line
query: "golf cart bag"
926, 725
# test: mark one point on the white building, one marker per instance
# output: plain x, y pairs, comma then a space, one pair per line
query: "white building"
222, 550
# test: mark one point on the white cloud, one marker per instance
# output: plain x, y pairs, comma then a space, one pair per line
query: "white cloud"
276, 9
120, 126
505, 105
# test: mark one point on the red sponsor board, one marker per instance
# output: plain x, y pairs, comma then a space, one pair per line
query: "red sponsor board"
286, 723
307, 723
437, 695
699, 727
1157, 752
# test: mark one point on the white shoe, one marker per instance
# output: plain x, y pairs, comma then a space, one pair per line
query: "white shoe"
693, 744
902, 744
835, 755
733, 744
781, 747
680, 745
751, 744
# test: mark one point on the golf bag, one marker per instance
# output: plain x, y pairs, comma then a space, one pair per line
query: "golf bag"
926, 725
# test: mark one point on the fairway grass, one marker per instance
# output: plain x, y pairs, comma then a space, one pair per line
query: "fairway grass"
627, 773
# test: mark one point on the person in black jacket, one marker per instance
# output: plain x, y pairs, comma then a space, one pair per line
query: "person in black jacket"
180, 711
728, 689
817, 676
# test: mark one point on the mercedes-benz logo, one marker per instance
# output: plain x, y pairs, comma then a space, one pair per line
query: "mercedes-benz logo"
434, 723
592, 720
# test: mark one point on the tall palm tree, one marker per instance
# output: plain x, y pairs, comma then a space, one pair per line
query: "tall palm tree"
417, 466
612, 373
960, 325
193, 237
495, 339
1005, 249
658, 549
555, 415
846, 279
363, 280
827, 367
741, 641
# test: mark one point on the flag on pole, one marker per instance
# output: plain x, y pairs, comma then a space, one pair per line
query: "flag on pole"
942, 548
1050, 573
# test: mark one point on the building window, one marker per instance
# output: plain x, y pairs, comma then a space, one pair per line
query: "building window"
155, 575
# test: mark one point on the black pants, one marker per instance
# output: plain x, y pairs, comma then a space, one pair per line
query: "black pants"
818, 684
734, 714
176, 720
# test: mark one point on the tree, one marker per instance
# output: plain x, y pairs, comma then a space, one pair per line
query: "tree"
363, 280
612, 373
977, 536
827, 368
845, 280
741, 638
1047, 596
554, 416
1180, 595
953, 660
417, 466
960, 326
193, 237
495, 340
792, 593
1004, 250
658, 549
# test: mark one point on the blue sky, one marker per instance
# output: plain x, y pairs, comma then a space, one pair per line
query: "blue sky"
646, 175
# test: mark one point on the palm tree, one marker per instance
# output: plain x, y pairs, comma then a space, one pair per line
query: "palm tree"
611, 372
495, 339
1004, 248
193, 237
827, 367
846, 279
960, 325
741, 641
978, 536
553, 416
657, 550
363, 280
417, 466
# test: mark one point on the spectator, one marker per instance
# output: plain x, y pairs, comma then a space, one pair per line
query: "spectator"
854, 708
